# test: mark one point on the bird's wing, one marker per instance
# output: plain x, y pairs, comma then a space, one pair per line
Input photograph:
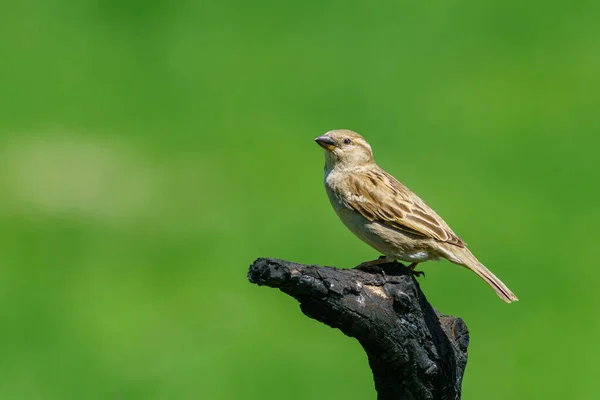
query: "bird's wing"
379, 197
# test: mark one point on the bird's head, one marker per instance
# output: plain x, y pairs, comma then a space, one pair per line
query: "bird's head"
345, 148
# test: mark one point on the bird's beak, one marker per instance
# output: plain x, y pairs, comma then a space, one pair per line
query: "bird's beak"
325, 142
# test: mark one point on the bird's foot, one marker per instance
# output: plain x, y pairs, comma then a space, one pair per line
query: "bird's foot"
412, 267
373, 266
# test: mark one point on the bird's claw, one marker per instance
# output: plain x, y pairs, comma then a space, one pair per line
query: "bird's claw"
413, 272
417, 273
372, 266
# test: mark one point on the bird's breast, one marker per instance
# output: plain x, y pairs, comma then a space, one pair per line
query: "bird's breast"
385, 239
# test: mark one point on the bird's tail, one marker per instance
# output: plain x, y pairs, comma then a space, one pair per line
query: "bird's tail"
468, 260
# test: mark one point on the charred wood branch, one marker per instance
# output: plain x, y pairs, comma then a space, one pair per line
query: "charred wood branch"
414, 351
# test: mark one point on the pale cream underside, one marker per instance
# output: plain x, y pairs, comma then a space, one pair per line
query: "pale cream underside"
388, 241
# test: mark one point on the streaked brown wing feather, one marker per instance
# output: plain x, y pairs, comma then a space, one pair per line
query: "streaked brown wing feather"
378, 196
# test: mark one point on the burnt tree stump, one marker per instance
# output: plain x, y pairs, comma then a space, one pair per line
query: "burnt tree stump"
414, 351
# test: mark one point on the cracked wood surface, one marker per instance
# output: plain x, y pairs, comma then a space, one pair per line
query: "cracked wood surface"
414, 351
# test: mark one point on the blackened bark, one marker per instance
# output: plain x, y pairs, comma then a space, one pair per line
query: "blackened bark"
414, 351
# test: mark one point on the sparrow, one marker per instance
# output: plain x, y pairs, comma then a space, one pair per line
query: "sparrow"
387, 215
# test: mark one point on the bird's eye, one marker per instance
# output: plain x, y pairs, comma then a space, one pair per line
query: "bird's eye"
347, 141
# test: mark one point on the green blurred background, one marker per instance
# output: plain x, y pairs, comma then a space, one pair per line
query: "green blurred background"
151, 150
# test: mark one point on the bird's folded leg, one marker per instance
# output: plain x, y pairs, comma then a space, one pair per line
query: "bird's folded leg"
412, 267
373, 266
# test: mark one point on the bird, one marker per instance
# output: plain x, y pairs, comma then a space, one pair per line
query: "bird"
388, 216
